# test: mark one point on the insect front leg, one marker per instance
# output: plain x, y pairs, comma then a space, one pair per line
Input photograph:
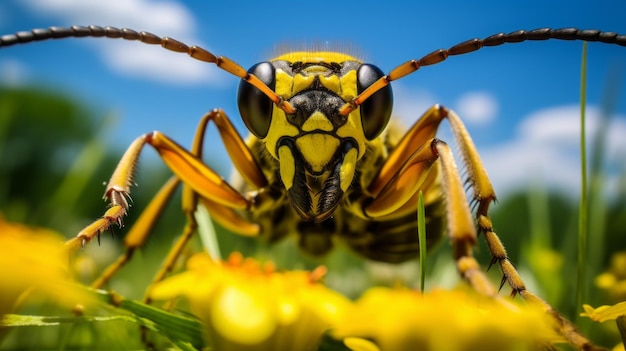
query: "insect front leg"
202, 184
139, 232
185, 165
243, 160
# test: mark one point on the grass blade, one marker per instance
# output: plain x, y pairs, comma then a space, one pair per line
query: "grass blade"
421, 232
583, 230
18, 320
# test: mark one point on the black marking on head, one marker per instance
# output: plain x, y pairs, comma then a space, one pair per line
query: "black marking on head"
317, 98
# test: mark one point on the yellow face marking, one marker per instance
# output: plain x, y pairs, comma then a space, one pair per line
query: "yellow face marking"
279, 126
288, 86
354, 129
346, 171
287, 166
314, 150
344, 86
284, 84
317, 121
316, 56
348, 86
317, 149
332, 83
300, 82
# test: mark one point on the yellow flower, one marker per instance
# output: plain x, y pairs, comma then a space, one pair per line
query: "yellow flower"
400, 319
604, 313
613, 281
247, 306
33, 263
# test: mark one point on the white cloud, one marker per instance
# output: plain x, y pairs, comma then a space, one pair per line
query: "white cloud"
477, 107
546, 150
164, 18
12, 72
410, 105
154, 62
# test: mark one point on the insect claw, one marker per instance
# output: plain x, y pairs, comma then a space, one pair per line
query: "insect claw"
98, 238
493, 261
83, 242
502, 282
474, 205
129, 199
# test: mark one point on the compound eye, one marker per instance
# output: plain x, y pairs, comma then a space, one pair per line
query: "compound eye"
255, 107
376, 110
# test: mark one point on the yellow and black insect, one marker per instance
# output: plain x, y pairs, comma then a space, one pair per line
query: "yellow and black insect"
324, 161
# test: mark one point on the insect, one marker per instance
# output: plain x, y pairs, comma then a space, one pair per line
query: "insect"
324, 160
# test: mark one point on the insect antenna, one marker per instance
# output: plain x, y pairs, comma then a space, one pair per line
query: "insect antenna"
195, 52
472, 45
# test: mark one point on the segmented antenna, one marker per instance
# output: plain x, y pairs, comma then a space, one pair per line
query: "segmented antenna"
471, 45
107, 32
195, 52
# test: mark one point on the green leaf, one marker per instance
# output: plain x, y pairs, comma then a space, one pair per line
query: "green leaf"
183, 331
16, 320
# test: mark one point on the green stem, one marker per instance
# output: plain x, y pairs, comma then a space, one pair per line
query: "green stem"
583, 210
421, 232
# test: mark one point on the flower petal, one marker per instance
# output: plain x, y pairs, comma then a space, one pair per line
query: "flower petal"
604, 313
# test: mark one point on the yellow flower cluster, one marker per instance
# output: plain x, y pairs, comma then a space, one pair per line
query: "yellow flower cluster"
402, 320
613, 281
34, 263
247, 306
604, 313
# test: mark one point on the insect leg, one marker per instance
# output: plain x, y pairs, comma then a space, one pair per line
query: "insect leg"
138, 233
461, 227
412, 175
140, 230
418, 137
483, 194
117, 193
424, 129
482, 190
244, 162
459, 221
188, 167
247, 166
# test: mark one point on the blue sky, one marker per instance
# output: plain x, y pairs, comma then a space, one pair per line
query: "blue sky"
519, 101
